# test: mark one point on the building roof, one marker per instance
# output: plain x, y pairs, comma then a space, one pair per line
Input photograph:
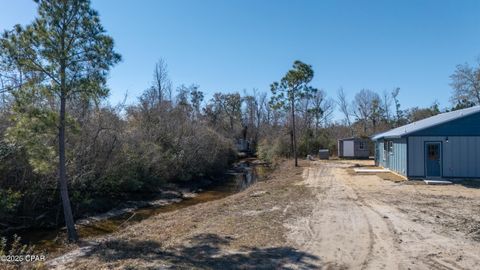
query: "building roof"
426, 123
353, 138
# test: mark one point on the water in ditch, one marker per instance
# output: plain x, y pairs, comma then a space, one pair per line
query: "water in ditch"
52, 240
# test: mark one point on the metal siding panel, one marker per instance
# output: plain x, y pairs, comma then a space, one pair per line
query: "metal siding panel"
474, 161
460, 156
450, 160
415, 151
383, 155
380, 161
403, 157
403, 160
403, 163
394, 156
460, 148
397, 156
447, 159
457, 156
379, 144
398, 159
414, 157
378, 155
457, 167
473, 156
477, 159
380, 149
411, 163
472, 169
454, 142
477, 156
469, 157
392, 159
463, 158
400, 162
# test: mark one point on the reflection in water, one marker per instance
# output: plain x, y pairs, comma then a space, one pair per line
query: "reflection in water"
51, 240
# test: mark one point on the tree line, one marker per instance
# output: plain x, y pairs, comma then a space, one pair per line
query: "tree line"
65, 152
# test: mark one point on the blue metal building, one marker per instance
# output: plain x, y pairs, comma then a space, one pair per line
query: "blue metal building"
442, 146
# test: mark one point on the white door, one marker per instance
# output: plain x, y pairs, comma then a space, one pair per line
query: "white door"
348, 149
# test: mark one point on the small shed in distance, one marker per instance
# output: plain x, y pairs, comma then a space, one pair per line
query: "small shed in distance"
354, 147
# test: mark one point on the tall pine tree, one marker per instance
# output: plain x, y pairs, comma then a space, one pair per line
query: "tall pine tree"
291, 88
67, 55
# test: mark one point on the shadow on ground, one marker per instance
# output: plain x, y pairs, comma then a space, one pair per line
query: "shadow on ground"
205, 251
470, 183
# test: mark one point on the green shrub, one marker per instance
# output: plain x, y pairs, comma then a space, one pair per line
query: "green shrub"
16, 248
9, 201
271, 151
309, 144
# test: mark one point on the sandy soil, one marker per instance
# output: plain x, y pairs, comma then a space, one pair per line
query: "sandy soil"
364, 222
318, 216
242, 231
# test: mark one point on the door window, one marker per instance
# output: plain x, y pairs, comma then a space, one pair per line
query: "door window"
432, 152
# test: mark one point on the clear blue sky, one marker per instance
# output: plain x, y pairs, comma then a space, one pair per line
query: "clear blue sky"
231, 45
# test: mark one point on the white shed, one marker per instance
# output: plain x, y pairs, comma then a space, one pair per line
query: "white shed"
353, 148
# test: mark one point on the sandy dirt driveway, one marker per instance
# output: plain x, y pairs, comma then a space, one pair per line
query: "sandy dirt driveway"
365, 222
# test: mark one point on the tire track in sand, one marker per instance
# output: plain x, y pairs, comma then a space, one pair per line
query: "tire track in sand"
338, 229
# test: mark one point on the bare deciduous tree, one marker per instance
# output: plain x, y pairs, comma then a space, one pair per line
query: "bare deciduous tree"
344, 106
364, 105
386, 104
466, 85
322, 108
161, 81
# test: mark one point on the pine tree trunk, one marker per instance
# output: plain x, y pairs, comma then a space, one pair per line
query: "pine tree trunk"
290, 133
294, 133
62, 175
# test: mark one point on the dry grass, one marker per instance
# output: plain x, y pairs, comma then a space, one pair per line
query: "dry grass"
388, 176
245, 230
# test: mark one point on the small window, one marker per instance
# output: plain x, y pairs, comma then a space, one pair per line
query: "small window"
387, 148
361, 145
433, 152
